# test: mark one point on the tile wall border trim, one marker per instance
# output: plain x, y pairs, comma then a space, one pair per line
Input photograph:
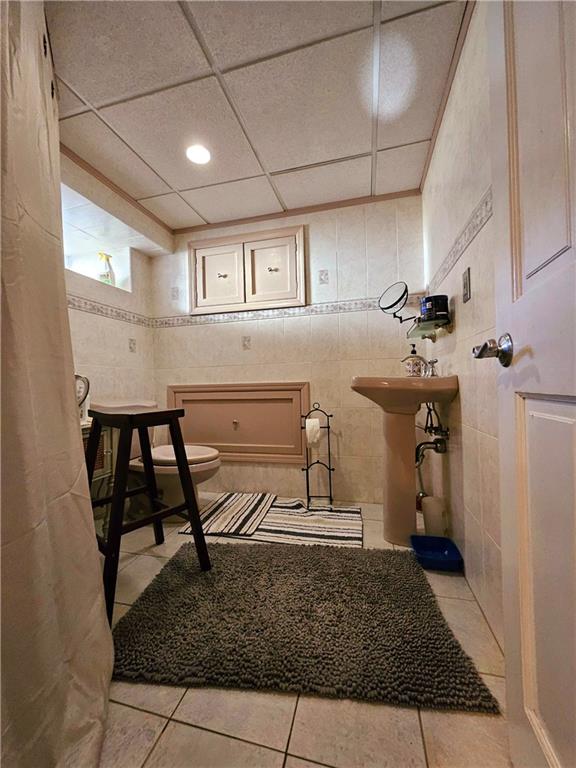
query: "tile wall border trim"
93, 307
480, 215
177, 321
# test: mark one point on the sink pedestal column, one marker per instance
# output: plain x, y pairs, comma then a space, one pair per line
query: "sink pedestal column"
399, 477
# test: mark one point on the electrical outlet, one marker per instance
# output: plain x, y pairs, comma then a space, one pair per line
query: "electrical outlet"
132, 345
246, 342
466, 288
175, 293
323, 277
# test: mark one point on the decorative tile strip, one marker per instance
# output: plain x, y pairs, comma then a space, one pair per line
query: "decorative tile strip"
105, 310
480, 215
327, 308
177, 321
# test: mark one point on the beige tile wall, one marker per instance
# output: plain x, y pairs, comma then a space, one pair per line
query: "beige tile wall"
458, 177
364, 248
101, 344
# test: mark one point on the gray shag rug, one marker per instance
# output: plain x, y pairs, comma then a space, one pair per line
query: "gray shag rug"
331, 621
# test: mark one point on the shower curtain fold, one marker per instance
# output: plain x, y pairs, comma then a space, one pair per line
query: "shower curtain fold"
56, 645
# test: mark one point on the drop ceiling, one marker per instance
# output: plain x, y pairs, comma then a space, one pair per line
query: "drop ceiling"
300, 103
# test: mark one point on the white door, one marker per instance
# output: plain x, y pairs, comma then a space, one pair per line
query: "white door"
532, 53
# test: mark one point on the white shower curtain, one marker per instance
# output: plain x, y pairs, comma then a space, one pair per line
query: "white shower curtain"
56, 645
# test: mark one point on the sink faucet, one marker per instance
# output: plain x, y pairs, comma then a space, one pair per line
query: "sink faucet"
429, 366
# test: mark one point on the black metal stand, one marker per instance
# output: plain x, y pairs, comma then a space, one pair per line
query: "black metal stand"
309, 464
127, 421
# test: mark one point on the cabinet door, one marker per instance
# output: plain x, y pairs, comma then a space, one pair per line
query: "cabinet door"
219, 276
271, 271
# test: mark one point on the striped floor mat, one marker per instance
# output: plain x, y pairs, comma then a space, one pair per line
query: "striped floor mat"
234, 514
286, 521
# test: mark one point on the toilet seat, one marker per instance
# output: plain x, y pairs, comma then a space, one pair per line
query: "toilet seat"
163, 455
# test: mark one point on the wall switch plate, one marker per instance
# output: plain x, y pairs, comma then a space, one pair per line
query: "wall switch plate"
323, 277
132, 345
466, 288
246, 342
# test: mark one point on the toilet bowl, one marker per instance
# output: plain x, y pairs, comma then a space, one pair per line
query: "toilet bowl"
203, 463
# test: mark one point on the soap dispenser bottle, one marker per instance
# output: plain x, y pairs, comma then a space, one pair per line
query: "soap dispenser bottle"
415, 365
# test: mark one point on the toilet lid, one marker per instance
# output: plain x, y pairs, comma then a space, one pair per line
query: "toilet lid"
163, 455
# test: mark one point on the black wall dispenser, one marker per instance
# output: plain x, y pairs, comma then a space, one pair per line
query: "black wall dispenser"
434, 311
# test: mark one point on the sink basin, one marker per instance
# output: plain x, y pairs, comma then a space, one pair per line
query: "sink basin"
405, 395
400, 399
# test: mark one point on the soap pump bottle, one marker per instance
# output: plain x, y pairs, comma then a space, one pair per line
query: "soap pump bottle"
415, 364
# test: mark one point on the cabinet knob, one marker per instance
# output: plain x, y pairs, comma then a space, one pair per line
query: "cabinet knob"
235, 422
220, 274
273, 269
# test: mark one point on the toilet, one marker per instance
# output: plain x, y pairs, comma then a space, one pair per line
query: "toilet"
203, 461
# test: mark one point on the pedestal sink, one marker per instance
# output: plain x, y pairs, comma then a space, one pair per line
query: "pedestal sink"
400, 399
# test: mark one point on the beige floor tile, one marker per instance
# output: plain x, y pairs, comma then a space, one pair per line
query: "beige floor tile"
141, 541
297, 762
160, 699
133, 579
371, 511
449, 585
183, 746
264, 718
130, 735
125, 558
374, 536
457, 739
345, 733
473, 633
119, 611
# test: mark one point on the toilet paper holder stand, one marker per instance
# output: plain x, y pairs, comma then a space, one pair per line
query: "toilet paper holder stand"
317, 410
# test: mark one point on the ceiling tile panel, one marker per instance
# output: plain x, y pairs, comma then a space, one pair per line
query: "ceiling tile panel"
309, 106
239, 32
161, 126
236, 200
401, 168
393, 8
94, 142
173, 211
68, 103
111, 50
325, 183
415, 55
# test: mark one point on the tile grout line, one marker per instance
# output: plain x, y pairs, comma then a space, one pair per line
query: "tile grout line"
290, 731
423, 737
227, 735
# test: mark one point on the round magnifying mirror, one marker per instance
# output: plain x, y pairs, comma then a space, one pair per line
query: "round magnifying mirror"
393, 298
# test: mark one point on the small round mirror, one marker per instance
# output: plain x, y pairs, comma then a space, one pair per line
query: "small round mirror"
393, 298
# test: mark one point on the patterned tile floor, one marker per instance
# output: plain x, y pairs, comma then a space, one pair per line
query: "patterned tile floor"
160, 726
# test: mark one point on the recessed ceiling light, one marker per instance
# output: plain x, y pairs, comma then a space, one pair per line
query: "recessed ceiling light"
198, 154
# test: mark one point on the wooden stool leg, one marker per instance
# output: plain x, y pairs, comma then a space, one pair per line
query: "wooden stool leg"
116, 517
150, 481
92, 448
189, 494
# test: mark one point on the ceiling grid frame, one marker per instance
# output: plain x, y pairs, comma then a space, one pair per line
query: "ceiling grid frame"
189, 16
95, 111
219, 72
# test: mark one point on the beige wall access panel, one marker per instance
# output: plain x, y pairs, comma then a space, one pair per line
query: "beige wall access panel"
263, 271
245, 422
219, 276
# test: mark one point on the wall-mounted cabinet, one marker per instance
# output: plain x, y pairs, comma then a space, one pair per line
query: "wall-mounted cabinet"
260, 270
